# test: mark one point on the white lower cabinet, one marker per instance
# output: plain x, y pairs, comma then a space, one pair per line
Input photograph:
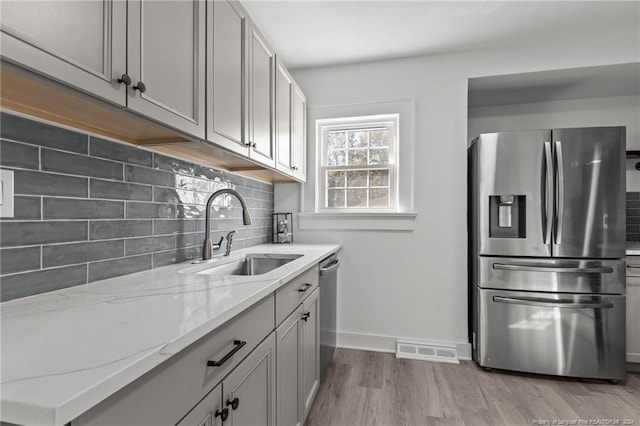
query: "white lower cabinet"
246, 372
310, 351
245, 397
298, 347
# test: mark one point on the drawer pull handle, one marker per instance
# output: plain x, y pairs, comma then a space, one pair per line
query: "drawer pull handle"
305, 316
223, 414
238, 345
233, 403
305, 287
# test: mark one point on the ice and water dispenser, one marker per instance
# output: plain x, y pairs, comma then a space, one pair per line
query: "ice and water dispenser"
507, 216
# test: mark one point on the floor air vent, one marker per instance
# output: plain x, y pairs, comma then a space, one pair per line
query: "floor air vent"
427, 352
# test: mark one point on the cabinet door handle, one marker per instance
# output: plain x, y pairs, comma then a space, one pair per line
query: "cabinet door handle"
294, 168
305, 316
233, 403
238, 345
141, 87
223, 414
305, 287
125, 79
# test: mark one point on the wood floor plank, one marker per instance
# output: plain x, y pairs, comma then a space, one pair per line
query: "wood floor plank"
366, 388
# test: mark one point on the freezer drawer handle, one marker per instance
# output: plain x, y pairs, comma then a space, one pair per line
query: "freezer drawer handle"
599, 270
550, 303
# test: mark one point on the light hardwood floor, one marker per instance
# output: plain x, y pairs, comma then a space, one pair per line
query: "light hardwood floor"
370, 388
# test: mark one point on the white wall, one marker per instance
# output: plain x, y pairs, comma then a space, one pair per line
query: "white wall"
610, 111
413, 284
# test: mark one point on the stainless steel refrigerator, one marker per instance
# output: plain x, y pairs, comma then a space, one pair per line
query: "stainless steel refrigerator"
546, 251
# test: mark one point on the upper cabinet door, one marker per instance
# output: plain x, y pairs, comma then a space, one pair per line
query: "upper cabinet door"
299, 134
166, 62
261, 99
79, 43
226, 76
284, 87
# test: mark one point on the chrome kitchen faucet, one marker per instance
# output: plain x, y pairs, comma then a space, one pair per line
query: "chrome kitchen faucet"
207, 248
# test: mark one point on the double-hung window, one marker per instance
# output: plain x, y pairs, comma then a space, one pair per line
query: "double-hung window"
357, 163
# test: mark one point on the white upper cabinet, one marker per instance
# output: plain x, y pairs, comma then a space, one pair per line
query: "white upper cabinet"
261, 99
290, 125
226, 76
166, 62
299, 134
284, 87
80, 44
155, 48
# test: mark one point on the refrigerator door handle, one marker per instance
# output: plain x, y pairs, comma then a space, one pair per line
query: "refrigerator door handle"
551, 303
559, 192
560, 269
548, 193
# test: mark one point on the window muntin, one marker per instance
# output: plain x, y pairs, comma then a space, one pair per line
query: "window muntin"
357, 163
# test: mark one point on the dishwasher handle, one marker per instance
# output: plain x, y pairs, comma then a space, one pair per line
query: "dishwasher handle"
328, 267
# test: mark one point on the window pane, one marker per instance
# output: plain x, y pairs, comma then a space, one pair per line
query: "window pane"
358, 139
379, 198
357, 178
378, 156
337, 158
379, 137
379, 177
356, 198
335, 197
336, 178
337, 140
357, 156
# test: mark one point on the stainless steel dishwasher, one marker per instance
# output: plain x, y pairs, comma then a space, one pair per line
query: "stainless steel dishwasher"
328, 311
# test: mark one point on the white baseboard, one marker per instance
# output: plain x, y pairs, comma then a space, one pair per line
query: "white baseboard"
631, 357
378, 343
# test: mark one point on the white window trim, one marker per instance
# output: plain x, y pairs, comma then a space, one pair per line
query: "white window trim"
403, 218
324, 126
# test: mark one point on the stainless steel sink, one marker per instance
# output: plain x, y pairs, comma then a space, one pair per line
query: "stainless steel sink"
251, 264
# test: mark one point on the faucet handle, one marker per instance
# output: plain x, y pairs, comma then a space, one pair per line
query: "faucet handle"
230, 234
217, 245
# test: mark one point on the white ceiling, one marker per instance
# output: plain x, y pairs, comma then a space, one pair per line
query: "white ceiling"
311, 33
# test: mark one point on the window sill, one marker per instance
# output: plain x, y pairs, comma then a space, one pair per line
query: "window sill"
357, 221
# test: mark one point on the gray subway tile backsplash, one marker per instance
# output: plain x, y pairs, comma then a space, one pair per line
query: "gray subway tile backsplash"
32, 132
30, 283
633, 216
19, 155
20, 233
26, 208
39, 183
63, 162
119, 190
135, 210
149, 176
20, 259
144, 245
75, 208
89, 209
117, 267
119, 152
105, 229
70, 254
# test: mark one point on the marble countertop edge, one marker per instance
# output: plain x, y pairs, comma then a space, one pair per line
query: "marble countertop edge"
20, 410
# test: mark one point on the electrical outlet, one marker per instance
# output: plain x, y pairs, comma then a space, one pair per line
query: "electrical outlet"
6, 193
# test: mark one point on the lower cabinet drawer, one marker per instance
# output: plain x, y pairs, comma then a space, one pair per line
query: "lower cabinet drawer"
290, 295
165, 394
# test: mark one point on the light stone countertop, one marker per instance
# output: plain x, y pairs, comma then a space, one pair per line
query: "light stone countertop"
633, 248
65, 351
